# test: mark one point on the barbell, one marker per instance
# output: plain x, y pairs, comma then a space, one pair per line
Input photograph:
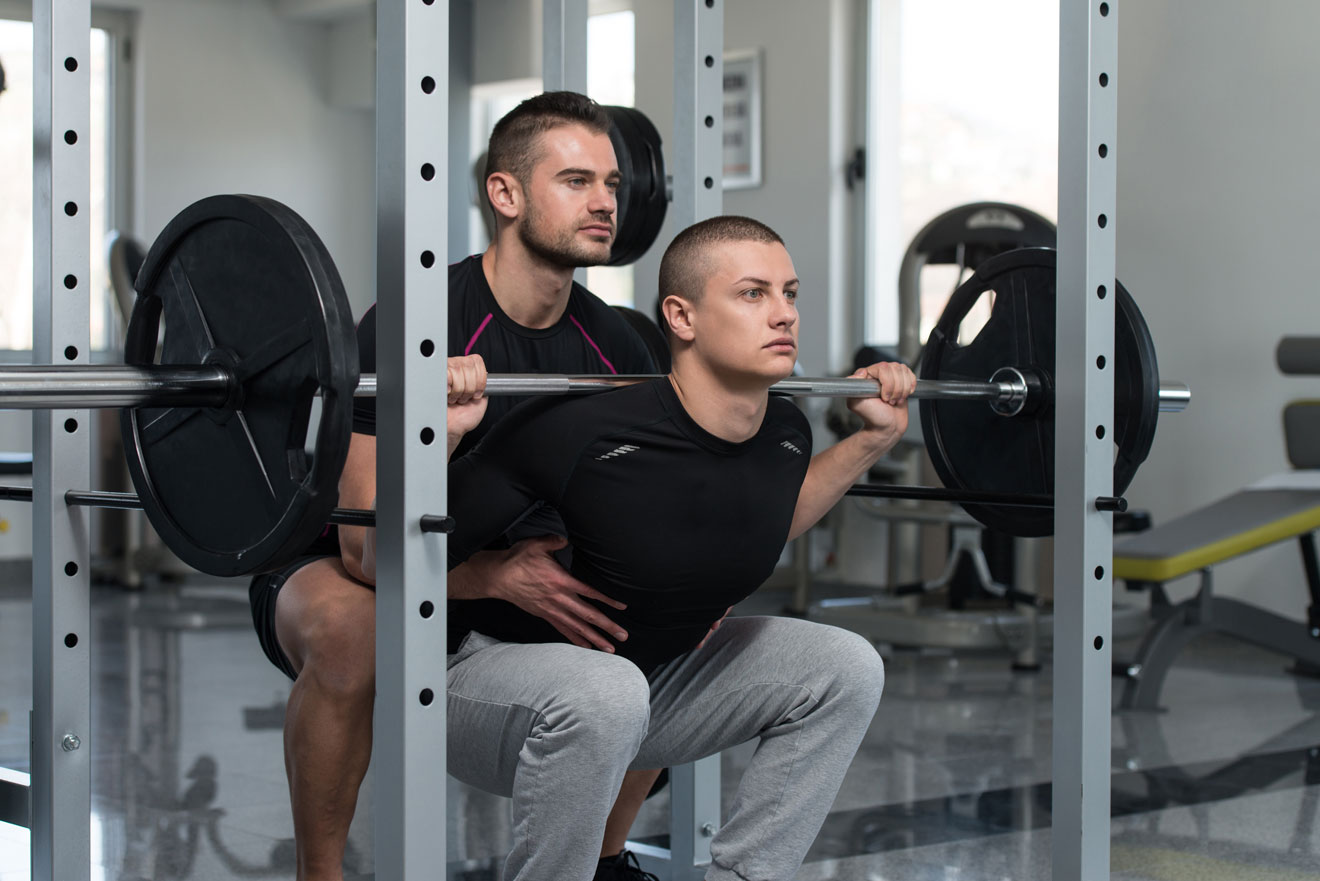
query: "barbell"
215, 419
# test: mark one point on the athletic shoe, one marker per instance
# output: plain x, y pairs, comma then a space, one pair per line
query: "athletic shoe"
623, 867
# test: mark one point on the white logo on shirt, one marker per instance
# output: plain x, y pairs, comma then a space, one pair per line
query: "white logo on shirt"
788, 446
618, 451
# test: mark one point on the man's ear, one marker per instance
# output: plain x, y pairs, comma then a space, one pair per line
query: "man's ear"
505, 194
678, 313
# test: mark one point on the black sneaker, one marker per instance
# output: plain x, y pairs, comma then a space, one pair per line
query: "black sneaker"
623, 867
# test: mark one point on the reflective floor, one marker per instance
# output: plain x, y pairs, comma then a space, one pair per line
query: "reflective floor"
951, 783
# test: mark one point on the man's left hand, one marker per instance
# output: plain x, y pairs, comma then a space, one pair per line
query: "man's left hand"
887, 411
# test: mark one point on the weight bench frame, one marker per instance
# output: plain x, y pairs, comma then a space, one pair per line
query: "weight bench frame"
1177, 624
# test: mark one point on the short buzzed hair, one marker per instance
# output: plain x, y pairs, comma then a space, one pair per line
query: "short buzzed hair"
513, 143
687, 266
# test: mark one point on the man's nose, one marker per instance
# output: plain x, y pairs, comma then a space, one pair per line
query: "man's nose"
603, 199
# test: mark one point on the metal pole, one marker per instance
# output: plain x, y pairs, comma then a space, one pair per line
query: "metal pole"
1084, 423
60, 735
44, 386
412, 88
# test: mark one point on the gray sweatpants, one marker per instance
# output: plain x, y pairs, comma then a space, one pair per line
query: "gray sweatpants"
555, 727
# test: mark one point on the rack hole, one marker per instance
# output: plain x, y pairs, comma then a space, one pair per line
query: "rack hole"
428, 171
428, 259
70, 568
427, 609
1103, 221
70, 208
710, 60
1104, 10
1100, 362
70, 137
70, 425
70, 281
1104, 80
1099, 643
428, 85
70, 353
1100, 432
428, 348
71, 64
710, 122
70, 640
1101, 291
710, 182
1099, 572
426, 697
428, 436
1104, 150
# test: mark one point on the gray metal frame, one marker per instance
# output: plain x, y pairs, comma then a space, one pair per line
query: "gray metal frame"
1083, 536
412, 90
60, 818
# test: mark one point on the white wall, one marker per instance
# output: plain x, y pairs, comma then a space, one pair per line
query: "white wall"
1217, 194
232, 98
806, 138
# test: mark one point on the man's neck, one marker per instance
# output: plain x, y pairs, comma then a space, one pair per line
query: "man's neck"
729, 412
531, 291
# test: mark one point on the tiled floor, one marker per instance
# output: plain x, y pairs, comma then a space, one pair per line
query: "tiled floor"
951, 783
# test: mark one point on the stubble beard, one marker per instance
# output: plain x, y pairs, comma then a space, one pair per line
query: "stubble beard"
561, 247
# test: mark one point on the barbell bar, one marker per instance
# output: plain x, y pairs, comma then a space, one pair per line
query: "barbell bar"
36, 387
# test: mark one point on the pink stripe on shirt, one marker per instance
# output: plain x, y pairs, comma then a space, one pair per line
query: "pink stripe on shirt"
593, 344
472, 342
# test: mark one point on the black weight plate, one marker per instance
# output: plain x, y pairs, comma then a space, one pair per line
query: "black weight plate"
243, 282
974, 448
643, 192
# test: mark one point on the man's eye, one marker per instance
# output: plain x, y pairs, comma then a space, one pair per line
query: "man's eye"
791, 295
752, 293
577, 181
613, 185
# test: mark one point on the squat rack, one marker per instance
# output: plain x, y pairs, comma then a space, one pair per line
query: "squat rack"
412, 230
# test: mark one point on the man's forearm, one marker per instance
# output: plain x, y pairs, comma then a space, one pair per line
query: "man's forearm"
466, 582
833, 471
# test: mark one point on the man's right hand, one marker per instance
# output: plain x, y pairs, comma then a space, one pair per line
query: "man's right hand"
530, 578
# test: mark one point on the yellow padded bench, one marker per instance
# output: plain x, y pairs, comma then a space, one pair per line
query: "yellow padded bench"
1277, 509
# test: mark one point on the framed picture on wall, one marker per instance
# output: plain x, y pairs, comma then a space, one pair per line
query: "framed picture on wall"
742, 119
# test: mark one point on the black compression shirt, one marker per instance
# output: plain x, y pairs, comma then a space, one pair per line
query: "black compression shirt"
590, 337
662, 515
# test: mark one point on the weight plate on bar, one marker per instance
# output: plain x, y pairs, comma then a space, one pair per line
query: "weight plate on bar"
643, 194
974, 448
242, 282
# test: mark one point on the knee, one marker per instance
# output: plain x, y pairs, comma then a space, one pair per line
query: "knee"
336, 645
857, 672
609, 703
864, 668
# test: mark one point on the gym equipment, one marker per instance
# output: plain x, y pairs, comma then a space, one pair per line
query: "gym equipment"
1018, 454
257, 324
643, 194
1279, 508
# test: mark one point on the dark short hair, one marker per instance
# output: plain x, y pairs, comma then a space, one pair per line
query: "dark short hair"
686, 265
513, 143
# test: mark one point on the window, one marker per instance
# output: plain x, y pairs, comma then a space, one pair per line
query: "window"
977, 119
610, 78
611, 67
16, 233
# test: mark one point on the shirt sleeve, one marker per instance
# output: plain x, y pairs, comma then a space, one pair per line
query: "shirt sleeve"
526, 459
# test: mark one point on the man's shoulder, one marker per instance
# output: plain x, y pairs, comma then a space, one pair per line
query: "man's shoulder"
787, 416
